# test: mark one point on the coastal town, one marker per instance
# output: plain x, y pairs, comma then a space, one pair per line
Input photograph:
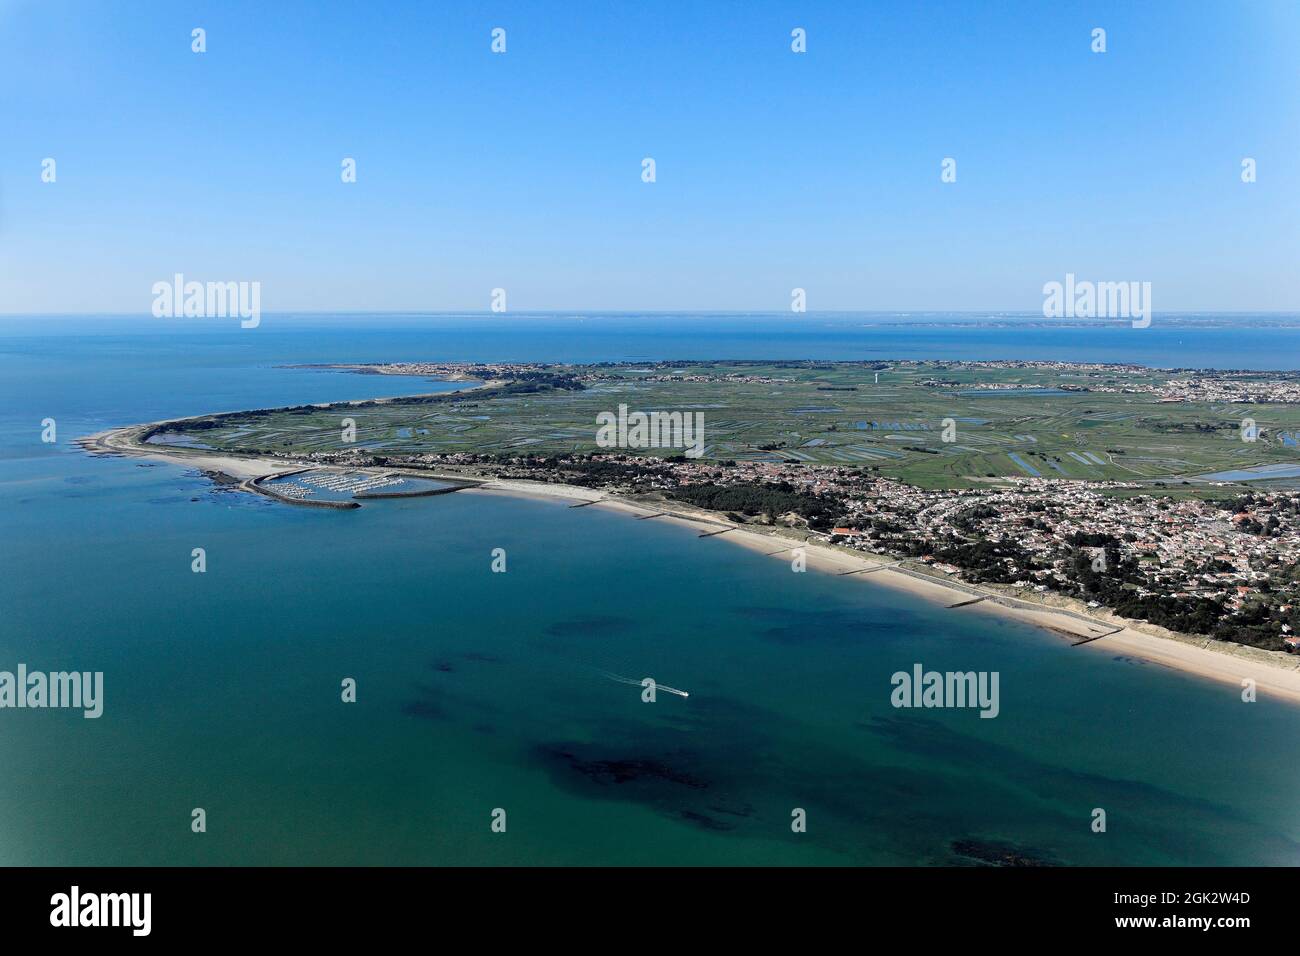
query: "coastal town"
1230, 389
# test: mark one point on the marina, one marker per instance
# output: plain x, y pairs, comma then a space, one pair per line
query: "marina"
346, 487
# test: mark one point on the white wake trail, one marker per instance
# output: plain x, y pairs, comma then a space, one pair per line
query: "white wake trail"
637, 683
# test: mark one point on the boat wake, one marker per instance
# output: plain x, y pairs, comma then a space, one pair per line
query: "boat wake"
637, 683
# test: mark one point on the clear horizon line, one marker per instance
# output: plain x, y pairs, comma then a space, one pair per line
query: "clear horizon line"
487, 313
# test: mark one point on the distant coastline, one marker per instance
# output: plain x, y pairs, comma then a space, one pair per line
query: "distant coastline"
389, 368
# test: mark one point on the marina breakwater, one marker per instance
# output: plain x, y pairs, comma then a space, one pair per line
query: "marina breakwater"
260, 486
265, 485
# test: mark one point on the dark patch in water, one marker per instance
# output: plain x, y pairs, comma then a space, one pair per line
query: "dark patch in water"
997, 853
448, 667
428, 704
1136, 661
78, 479
671, 783
1150, 808
729, 768
441, 701
801, 627
692, 765
704, 820
426, 709
620, 771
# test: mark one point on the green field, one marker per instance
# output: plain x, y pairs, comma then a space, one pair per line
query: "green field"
823, 414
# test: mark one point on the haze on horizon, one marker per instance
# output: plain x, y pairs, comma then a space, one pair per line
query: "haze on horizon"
774, 170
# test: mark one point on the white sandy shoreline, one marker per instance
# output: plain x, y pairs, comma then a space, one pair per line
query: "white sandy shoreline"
1275, 674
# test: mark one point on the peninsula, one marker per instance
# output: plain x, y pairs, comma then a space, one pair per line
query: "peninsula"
1138, 511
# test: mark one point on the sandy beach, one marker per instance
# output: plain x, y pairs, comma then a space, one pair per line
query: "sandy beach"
125, 441
1275, 674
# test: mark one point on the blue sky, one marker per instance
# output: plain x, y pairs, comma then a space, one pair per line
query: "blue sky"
522, 170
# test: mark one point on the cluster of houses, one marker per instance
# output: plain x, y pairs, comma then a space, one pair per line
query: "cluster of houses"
1185, 547
1216, 388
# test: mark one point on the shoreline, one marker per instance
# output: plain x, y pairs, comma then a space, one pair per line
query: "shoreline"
1095, 630
1198, 657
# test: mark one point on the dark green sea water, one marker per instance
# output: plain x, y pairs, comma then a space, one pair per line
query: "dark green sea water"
479, 690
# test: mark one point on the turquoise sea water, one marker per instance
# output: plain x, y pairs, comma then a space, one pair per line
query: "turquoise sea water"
479, 690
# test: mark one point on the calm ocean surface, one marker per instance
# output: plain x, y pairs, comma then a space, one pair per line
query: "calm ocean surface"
479, 690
